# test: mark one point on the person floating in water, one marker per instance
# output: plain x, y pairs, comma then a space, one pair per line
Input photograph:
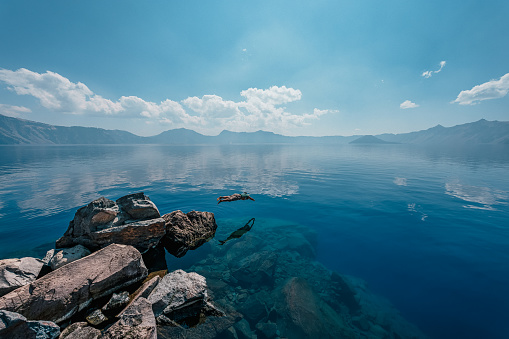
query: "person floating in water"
240, 232
233, 197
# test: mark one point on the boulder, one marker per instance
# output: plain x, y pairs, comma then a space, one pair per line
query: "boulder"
132, 220
15, 273
69, 289
59, 258
187, 231
138, 206
302, 314
80, 330
92, 217
137, 321
15, 326
178, 290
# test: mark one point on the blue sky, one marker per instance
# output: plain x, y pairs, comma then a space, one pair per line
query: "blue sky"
294, 68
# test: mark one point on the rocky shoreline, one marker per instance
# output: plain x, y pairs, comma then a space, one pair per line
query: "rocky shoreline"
107, 278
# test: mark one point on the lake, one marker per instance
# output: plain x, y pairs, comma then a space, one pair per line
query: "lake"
425, 227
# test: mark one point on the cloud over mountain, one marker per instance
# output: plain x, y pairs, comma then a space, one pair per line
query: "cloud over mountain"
261, 109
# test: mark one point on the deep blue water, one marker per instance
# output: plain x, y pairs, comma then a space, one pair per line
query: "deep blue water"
427, 228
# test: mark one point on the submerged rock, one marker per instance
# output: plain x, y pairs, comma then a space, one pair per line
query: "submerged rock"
15, 326
256, 269
187, 231
302, 314
137, 321
15, 273
132, 220
61, 293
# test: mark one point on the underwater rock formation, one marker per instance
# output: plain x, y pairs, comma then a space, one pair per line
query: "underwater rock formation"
298, 297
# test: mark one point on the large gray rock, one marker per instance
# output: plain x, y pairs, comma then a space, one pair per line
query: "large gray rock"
15, 326
15, 273
132, 220
93, 217
187, 231
178, 290
138, 206
80, 330
137, 321
61, 293
58, 258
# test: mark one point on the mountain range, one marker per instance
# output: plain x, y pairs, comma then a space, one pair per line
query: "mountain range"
19, 131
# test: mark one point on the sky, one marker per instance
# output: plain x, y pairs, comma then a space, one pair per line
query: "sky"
290, 67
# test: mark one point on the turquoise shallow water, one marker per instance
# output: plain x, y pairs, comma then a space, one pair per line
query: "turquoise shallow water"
426, 228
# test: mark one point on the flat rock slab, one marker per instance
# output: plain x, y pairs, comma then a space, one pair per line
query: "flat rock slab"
15, 273
61, 293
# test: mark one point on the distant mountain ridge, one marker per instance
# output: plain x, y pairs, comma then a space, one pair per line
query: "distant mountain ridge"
479, 132
371, 139
19, 131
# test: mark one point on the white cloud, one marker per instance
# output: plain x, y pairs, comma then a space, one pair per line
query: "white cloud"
408, 104
260, 109
428, 74
493, 89
13, 111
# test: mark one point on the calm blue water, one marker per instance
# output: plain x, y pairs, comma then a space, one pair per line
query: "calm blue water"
428, 228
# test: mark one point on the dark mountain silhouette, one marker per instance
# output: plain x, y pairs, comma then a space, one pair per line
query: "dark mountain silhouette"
20, 131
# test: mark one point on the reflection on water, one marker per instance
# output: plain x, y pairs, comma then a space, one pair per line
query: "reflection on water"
483, 197
393, 215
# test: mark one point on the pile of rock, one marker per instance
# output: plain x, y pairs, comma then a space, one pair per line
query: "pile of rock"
94, 285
